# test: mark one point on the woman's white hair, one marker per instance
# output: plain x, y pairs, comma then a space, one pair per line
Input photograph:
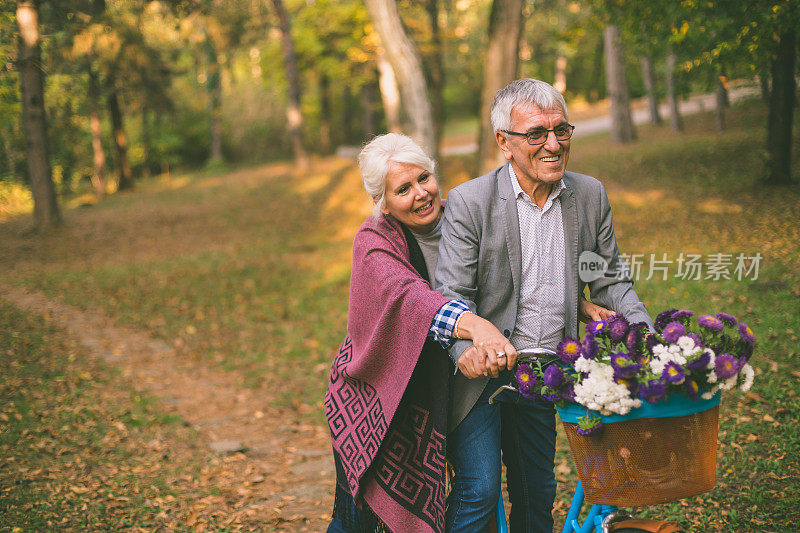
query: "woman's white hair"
527, 90
378, 155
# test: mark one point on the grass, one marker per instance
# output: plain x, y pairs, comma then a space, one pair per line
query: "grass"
250, 270
78, 450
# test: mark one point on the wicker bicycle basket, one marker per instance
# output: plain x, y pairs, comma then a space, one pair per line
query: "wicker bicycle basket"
657, 453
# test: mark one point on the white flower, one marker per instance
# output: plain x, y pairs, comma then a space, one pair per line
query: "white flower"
710, 394
686, 343
749, 375
729, 383
712, 377
712, 358
659, 349
599, 392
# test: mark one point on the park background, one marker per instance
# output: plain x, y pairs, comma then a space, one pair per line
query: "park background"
178, 198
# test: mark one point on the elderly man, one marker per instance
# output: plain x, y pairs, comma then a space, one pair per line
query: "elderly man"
510, 248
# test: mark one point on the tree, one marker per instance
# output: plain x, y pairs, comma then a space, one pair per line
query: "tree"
675, 122
781, 109
390, 93
407, 65
500, 69
293, 114
622, 130
45, 212
99, 159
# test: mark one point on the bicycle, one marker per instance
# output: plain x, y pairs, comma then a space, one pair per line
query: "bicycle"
606, 518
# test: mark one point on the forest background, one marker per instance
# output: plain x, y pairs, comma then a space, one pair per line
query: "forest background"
134, 88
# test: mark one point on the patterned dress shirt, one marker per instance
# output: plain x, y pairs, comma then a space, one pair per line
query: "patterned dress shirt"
540, 315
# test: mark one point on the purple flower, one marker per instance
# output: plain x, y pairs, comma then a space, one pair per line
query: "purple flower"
553, 377
597, 327
553, 397
746, 333
568, 392
682, 316
673, 373
569, 350
623, 366
711, 323
526, 379
589, 347
650, 342
652, 391
727, 319
673, 331
634, 337
632, 383
664, 318
618, 328
699, 364
726, 366
692, 388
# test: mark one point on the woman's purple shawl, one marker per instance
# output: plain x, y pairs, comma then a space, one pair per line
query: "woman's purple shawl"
399, 469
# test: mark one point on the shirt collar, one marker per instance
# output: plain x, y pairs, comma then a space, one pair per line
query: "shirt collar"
558, 187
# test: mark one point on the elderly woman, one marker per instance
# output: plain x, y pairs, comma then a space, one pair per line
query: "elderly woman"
388, 391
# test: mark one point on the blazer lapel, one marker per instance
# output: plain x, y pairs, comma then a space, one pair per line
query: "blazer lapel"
569, 214
508, 208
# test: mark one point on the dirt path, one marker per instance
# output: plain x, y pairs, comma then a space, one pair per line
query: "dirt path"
281, 468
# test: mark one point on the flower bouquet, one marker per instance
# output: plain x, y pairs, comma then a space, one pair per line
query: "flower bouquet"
640, 409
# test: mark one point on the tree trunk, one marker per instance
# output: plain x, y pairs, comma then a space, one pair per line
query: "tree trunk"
390, 93
45, 206
561, 74
347, 108
9, 151
650, 86
763, 82
368, 104
675, 122
622, 130
781, 110
500, 69
720, 103
435, 71
293, 114
560, 78
215, 101
99, 154
407, 66
325, 114
125, 175
146, 163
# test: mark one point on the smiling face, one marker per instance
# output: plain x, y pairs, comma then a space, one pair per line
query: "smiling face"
538, 165
412, 197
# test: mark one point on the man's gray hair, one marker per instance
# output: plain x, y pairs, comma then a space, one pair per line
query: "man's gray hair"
527, 90
376, 158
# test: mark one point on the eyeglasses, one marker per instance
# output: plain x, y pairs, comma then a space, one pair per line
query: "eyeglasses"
539, 135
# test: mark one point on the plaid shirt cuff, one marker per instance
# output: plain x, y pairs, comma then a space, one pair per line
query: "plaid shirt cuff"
445, 320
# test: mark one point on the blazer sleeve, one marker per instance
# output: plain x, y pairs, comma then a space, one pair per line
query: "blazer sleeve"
457, 266
615, 289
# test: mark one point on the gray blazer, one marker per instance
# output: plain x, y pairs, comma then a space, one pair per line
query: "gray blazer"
480, 261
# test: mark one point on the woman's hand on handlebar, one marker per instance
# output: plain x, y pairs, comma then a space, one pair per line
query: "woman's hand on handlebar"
490, 353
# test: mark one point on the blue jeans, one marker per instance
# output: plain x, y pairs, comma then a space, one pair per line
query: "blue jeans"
526, 433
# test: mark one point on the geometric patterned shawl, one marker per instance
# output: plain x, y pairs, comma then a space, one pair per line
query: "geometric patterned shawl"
387, 395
